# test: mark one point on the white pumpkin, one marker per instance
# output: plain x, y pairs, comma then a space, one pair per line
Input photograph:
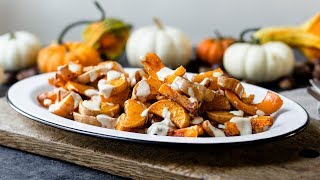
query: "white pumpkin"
169, 43
18, 50
259, 63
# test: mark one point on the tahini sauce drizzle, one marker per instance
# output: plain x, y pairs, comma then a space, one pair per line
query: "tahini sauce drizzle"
161, 128
243, 125
164, 72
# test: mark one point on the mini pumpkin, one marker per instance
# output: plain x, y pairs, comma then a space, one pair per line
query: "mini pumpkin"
259, 63
57, 54
18, 50
172, 46
211, 50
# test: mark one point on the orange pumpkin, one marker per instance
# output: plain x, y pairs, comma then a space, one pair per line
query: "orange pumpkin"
55, 55
211, 50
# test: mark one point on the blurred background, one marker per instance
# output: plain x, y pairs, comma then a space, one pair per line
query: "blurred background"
198, 19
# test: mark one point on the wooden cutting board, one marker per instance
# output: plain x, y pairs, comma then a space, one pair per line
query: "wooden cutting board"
278, 160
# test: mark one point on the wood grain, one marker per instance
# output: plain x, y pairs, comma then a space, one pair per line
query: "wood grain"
277, 160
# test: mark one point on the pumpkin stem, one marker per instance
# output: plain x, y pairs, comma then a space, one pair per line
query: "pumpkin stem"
70, 26
12, 36
218, 34
243, 33
157, 22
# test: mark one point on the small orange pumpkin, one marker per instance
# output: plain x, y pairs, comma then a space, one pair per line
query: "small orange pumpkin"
211, 50
55, 55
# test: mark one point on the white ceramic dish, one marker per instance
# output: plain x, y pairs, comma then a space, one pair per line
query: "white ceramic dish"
289, 120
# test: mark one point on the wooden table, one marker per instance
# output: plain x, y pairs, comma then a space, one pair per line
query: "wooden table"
293, 158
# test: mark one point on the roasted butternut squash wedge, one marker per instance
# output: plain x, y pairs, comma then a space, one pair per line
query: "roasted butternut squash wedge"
261, 123
47, 98
180, 71
211, 130
134, 116
219, 103
184, 101
231, 84
192, 131
200, 92
91, 108
238, 104
210, 75
65, 107
119, 125
220, 116
89, 76
231, 129
113, 87
258, 124
247, 99
146, 90
79, 88
270, 104
178, 115
118, 98
152, 64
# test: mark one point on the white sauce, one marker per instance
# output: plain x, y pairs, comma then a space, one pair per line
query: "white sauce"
144, 113
133, 80
52, 108
143, 89
74, 67
237, 113
192, 99
104, 88
221, 126
217, 132
197, 120
161, 128
93, 75
242, 91
109, 103
47, 102
190, 92
106, 121
61, 67
243, 125
158, 128
177, 83
164, 72
142, 58
91, 92
216, 74
204, 81
111, 75
260, 113
76, 99
105, 66
93, 104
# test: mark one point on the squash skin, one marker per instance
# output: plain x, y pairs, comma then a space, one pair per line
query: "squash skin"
270, 104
